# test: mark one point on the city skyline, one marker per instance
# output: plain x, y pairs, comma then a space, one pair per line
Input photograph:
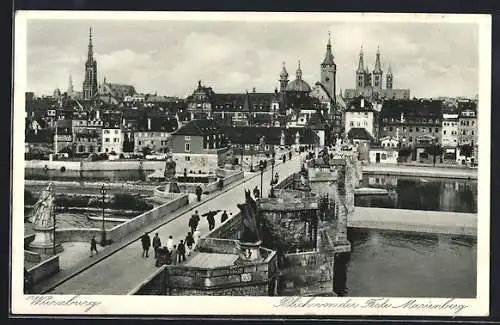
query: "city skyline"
238, 56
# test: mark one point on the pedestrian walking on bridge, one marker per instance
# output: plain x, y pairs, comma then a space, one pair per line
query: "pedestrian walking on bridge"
189, 243
211, 218
193, 221
146, 244
170, 244
196, 237
198, 192
181, 252
256, 192
93, 246
224, 217
156, 244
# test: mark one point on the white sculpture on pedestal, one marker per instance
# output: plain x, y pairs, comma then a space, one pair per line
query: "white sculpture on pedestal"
43, 223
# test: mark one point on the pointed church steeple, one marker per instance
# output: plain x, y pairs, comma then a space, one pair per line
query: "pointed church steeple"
389, 78
70, 86
328, 55
90, 55
361, 64
90, 87
378, 68
283, 79
299, 73
284, 73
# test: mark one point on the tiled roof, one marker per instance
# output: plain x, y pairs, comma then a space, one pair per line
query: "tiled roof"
158, 124
412, 108
243, 102
359, 104
199, 128
317, 121
359, 134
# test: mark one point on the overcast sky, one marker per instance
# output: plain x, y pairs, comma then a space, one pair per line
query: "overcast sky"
438, 59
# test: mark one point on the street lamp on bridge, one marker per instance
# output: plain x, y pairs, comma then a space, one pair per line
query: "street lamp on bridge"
103, 234
262, 167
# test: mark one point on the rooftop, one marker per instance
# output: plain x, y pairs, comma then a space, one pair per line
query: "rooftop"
200, 128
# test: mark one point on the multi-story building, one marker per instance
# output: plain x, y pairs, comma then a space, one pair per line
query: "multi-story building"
153, 132
359, 113
467, 124
412, 122
112, 136
200, 146
449, 137
370, 84
87, 132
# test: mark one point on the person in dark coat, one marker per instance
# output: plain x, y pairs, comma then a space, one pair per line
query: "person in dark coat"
284, 158
193, 221
181, 252
256, 192
198, 192
146, 243
173, 255
289, 155
93, 246
211, 218
189, 243
224, 217
221, 183
156, 244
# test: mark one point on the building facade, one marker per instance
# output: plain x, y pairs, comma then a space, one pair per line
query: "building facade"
449, 136
199, 147
360, 114
467, 124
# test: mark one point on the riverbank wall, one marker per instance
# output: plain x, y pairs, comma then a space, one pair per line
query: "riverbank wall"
423, 171
103, 165
439, 222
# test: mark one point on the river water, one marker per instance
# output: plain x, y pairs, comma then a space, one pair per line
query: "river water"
396, 264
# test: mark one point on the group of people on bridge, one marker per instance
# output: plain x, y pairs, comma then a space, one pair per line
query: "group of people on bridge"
177, 253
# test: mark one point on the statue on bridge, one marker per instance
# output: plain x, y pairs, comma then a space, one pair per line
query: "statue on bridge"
44, 224
250, 236
169, 174
42, 210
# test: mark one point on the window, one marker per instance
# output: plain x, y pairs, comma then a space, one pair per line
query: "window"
106, 150
430, 130
152, 142
417, 129
410, 139
351, 123
436, 130
187, 158
359, 123
383, 156
116, 131
106, 139
365, 123
247, 147
444, 132
472, 132
187, 147
106, 131
390, 128
187, 138
140, 142
411, 130
116, 140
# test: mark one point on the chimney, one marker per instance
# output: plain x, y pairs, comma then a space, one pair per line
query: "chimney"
97, 114
149, 123
362, 102
253, 90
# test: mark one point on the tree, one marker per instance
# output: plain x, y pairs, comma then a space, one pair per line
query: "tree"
435, 150
146, 151
466, 150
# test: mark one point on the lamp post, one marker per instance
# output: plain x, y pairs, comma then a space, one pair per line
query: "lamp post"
272, 171
261, 167
103, 235
54, 230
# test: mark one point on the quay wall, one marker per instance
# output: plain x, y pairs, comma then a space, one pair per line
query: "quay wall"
423, 171
44, 269
96, 165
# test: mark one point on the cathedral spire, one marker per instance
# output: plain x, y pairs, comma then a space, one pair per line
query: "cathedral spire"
361, 65
284, 73
91, 47
389, 71
328, 55
70, 85
378, 68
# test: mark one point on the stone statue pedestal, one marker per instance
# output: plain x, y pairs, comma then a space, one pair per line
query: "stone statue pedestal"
172, 187
44, 241
250, 251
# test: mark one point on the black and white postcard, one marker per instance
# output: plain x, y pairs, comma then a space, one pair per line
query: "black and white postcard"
196, 163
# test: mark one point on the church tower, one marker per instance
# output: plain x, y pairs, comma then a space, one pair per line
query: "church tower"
282, 95
70, 91
377, 72
360, 72
90, 82
388, 83
329, 71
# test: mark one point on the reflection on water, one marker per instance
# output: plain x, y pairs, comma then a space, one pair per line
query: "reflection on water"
421, 193
97, 175
397, 264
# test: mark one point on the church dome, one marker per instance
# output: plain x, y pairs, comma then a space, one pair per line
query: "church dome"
298, 85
